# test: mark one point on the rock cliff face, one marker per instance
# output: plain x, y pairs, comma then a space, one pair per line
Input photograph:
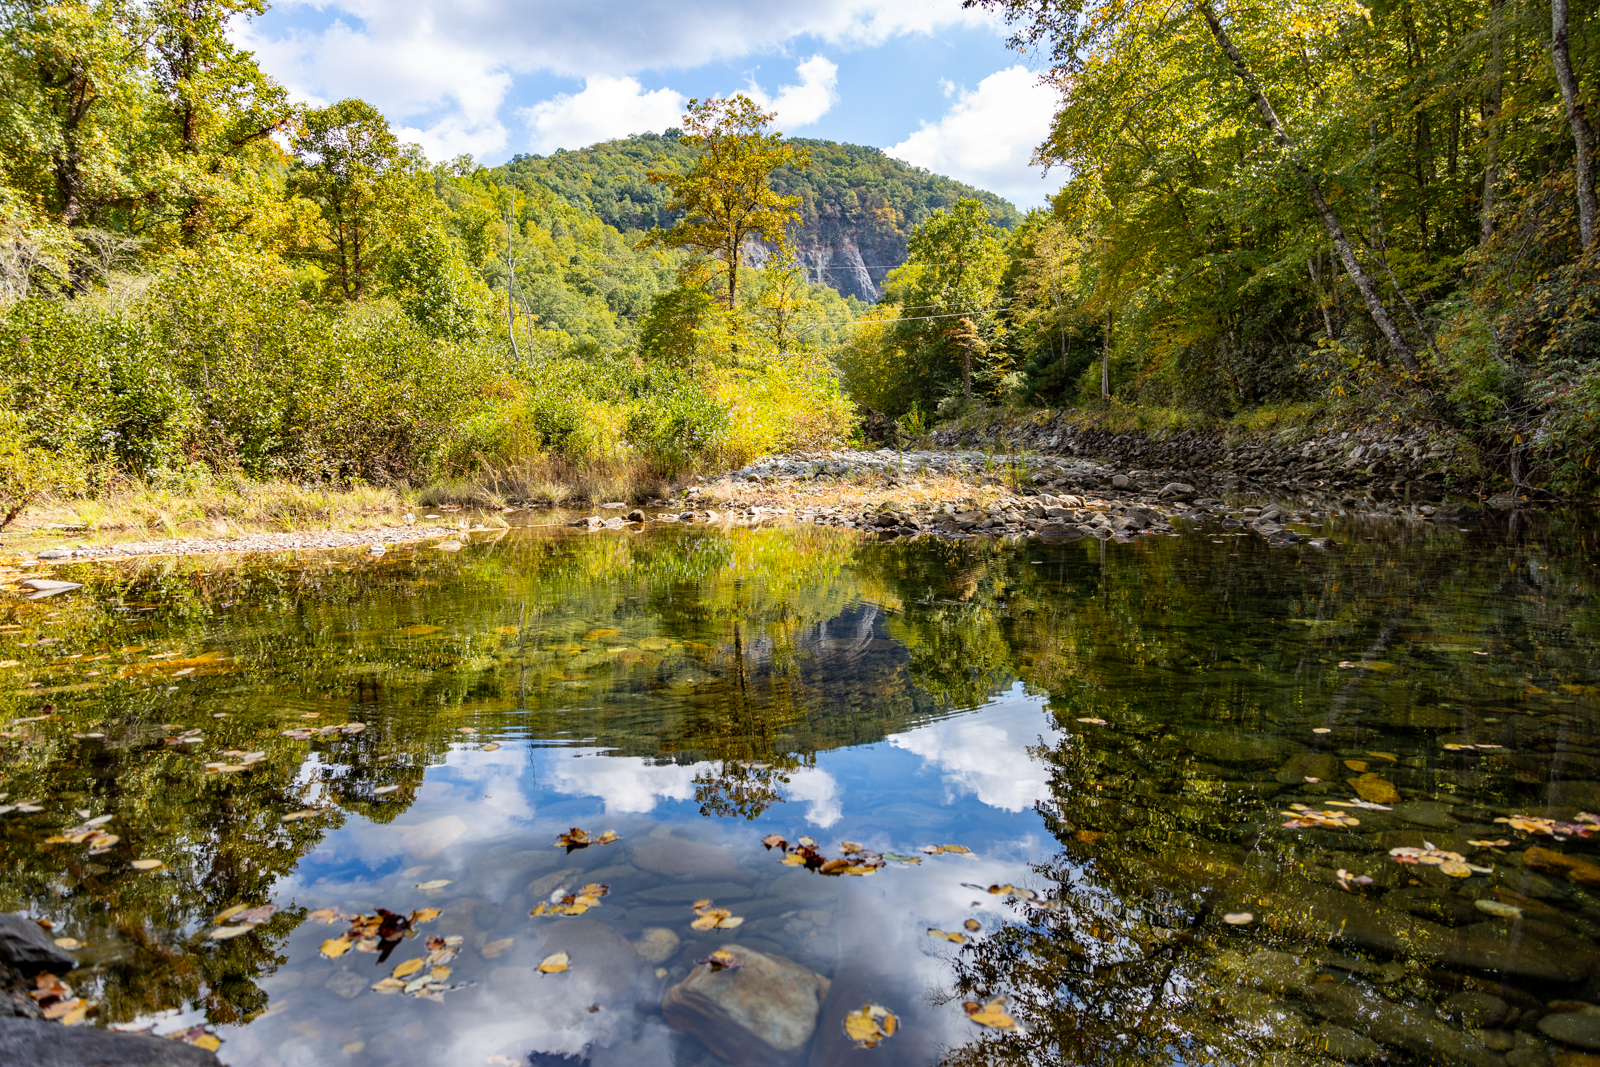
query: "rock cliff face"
857, 206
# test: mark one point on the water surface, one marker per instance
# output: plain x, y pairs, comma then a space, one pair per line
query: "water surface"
1113, 728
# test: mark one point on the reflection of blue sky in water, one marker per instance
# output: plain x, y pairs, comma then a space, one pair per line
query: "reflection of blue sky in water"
486, 820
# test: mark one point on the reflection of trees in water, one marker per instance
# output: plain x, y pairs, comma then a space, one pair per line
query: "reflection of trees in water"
1189, 654
755, 651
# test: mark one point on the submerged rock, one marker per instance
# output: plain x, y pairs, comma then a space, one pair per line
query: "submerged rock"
1580, 1028
1368, 1012
762, 1012
656, 945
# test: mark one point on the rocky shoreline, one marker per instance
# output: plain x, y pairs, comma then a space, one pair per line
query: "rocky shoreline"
970, 494
1371, 462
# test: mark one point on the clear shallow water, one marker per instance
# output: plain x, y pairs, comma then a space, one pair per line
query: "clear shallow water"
695, 691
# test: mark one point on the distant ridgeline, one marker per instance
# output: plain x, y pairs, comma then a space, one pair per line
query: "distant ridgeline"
858, 205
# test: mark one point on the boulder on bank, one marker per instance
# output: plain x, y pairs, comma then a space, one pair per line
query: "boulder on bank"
761, 1013
25, 949
41, 1044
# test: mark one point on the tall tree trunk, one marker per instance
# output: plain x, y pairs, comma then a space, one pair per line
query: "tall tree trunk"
1491, 125
1330, 219
1105, 361
1577, 119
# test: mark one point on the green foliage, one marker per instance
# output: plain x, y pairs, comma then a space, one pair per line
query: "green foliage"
1434, 135
28, 471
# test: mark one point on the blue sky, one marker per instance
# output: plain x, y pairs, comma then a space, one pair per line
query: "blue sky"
926, 81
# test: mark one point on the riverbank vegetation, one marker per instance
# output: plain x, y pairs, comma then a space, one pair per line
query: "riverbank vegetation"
200, 279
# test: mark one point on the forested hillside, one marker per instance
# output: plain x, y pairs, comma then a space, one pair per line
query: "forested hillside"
1385, 212
857, 206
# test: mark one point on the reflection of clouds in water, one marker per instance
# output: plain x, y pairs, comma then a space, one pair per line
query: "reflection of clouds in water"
633, 784
985, 753
817, 788
624, 783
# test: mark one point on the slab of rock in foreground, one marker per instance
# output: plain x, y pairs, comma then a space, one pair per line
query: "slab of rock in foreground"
42, 1044
761, 1013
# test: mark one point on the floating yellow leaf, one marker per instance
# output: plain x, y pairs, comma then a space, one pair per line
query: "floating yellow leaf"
389, 986
850, 847
1238, 918
947, 935
147, 865
408, 968
327, 916
71, 944
730, 923
335, 947
209, 1042
80, 1011
1359, 766
489, 748
555, 964
1390, 756
1456, 869
794, 859
870, 1026
708, 920
992, 1013
439, 974
972, 924
424, 915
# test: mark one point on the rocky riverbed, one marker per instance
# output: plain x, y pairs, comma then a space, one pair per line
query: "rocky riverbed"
962, 494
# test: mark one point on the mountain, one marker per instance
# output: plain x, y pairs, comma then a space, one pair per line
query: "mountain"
858, 206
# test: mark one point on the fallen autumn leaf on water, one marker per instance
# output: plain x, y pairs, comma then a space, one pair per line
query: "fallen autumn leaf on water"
711, 917
947, 935
147, 865
335, 947
1093, 722
1238, 918
934, 850
408, 968
870, 1026
555, 964
721, 960
991, 1013
576, 838
973, 924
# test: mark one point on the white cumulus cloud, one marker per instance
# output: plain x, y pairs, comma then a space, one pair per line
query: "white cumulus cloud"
606, 108
803, 104
988, 136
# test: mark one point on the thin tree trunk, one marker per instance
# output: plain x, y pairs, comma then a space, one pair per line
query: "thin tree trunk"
1491, 125
1105, 361
1577, 119
1330, 219
1322, 299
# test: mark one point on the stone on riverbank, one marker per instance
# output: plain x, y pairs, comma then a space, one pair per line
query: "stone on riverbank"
25, 948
